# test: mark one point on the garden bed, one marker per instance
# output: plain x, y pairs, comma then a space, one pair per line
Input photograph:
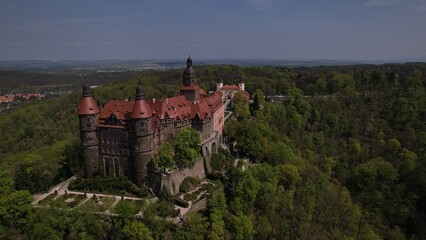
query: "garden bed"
92, 205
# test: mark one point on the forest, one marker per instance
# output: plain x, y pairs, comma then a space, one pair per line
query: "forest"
342, 157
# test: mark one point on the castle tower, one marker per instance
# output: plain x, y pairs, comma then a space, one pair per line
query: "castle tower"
143, 144
219, 84
189, 87
241, 84
88, 113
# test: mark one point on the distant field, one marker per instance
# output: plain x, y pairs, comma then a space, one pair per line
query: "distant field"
23, 79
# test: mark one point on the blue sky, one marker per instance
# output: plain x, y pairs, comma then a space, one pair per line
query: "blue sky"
210, 29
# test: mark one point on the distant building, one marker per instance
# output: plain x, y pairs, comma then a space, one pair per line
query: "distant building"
10, 98
7, 98
122, 138
229, 91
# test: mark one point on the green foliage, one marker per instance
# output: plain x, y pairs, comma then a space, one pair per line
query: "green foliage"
217, 226
288, 175
15, 209
222, 159
163, 209
241, 107
164, 157
111, 185
93, 206
126, 209
241, 227
188, 184
258, 99
7, 185
186, 147
342, 157
137, 231
195, 223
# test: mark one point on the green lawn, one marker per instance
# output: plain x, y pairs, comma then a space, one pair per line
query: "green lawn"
60, 202
92, 206
47, 201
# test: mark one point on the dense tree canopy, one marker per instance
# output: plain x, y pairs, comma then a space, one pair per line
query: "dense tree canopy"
342, 156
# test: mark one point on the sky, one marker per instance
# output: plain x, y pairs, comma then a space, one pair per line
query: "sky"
212, 29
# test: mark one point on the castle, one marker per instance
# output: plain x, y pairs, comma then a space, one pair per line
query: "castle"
122, 138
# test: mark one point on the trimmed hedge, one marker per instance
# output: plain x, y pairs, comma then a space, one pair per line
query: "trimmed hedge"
109, 185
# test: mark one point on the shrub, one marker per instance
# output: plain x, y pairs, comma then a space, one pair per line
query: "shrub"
111, 185
188, 184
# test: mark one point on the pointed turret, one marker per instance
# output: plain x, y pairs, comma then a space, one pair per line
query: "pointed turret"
88, 104
88, 114
141, 108
142, 125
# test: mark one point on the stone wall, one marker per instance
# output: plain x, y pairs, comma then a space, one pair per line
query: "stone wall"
172, 181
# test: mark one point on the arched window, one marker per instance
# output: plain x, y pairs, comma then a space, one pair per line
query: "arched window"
117, 167
106, 166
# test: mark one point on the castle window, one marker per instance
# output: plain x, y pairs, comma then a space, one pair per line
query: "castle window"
116, 167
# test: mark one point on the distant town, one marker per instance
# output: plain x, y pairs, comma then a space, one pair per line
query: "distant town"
13, 99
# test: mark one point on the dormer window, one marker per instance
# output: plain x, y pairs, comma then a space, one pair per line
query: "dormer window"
112, 120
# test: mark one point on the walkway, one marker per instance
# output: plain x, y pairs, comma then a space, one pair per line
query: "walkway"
61, 187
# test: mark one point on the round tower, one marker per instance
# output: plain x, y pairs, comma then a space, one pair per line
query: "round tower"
219, 84
189, 76
88, 114
143, 145
241, 84
189, 88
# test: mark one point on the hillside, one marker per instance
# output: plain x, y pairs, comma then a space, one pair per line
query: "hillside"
343, 157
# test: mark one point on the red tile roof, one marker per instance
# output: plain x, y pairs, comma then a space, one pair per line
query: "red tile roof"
192, 87
7, 98
230, 87
141, 109
88, 106
121, 109
174, 107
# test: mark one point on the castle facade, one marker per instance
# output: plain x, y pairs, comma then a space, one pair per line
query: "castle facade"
122, 138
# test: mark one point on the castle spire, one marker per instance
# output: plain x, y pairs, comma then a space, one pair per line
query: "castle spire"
189, 61
86, 89
141, 108
189, 76
88, 104
139, 92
